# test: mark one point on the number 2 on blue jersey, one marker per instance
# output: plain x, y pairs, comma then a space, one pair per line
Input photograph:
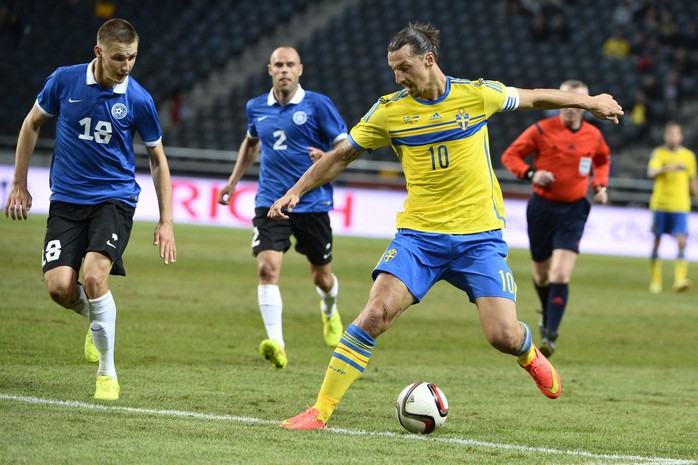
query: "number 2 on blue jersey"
280, 139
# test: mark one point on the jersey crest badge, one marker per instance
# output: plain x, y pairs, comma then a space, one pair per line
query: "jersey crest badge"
119, 111
584, 166
462, 118
300, 117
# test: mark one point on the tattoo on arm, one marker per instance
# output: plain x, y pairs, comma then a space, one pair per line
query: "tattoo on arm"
328, 167
348, 153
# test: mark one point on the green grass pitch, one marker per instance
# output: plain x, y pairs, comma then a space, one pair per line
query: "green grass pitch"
194, 389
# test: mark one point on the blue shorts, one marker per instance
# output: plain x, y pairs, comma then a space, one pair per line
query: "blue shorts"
474, 263
672, 223
555, 225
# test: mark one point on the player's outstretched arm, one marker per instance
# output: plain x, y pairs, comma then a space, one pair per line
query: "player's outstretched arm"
320, 173
603, 106
164, 231
247, 154
19, 202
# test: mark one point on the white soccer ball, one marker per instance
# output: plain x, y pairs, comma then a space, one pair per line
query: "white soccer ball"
421, 408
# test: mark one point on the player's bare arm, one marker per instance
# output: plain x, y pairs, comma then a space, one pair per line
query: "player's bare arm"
19, 201
316, 154
653, 172
603, 106
247, 154
320, 173
164, 230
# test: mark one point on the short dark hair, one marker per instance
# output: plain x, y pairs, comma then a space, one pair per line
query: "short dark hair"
574, 84
421, 37
117, 30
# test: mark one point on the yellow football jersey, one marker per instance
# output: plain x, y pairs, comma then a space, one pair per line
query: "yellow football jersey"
671, 191
443, 146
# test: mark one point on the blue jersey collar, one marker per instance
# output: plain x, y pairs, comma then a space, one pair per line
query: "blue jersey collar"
297, 97
90, 79
440, 99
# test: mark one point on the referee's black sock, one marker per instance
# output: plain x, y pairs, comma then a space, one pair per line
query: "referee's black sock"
557, 302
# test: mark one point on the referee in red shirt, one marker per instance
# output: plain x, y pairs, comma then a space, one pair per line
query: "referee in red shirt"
567, 151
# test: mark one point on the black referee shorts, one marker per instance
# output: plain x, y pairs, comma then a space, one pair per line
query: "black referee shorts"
555, 225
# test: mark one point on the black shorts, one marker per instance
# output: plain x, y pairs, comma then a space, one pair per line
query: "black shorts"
555, 225
72, 230
312, 231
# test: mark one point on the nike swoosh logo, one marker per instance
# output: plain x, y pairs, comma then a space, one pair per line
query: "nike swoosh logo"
70, 100
555, 388
327, 255
261, 118
110, 244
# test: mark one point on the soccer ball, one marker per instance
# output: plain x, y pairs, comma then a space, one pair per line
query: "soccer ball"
421, 408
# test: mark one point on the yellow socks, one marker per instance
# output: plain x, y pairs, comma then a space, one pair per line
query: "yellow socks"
347, 364
680, 270
656, 271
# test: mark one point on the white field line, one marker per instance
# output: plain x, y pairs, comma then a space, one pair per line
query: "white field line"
604, 458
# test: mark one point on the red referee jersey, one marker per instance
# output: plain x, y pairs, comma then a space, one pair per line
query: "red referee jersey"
569, 155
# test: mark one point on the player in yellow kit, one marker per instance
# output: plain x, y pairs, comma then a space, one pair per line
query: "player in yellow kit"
673, 168
451, 226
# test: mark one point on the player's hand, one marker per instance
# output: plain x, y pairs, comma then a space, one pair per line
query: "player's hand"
226, 193
164, 237
543, 178
675, 167
315, 154
606, 108
288, 202
18, 203
601, 196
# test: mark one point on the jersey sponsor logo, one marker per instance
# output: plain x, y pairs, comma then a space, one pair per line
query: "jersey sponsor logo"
410, 119
462, 118
435, 117
262, 118
584, 166
119, 111
72, 100
300, 117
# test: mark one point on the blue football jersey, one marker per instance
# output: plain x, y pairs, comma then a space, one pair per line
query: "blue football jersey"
285, 132
93, 159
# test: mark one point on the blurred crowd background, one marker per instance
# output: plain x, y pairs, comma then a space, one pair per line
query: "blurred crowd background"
203, 59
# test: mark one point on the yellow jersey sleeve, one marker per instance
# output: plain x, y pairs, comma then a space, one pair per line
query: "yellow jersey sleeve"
655, 162
372, 131
497, 97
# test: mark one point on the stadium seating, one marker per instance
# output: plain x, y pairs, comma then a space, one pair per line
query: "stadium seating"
346, 59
